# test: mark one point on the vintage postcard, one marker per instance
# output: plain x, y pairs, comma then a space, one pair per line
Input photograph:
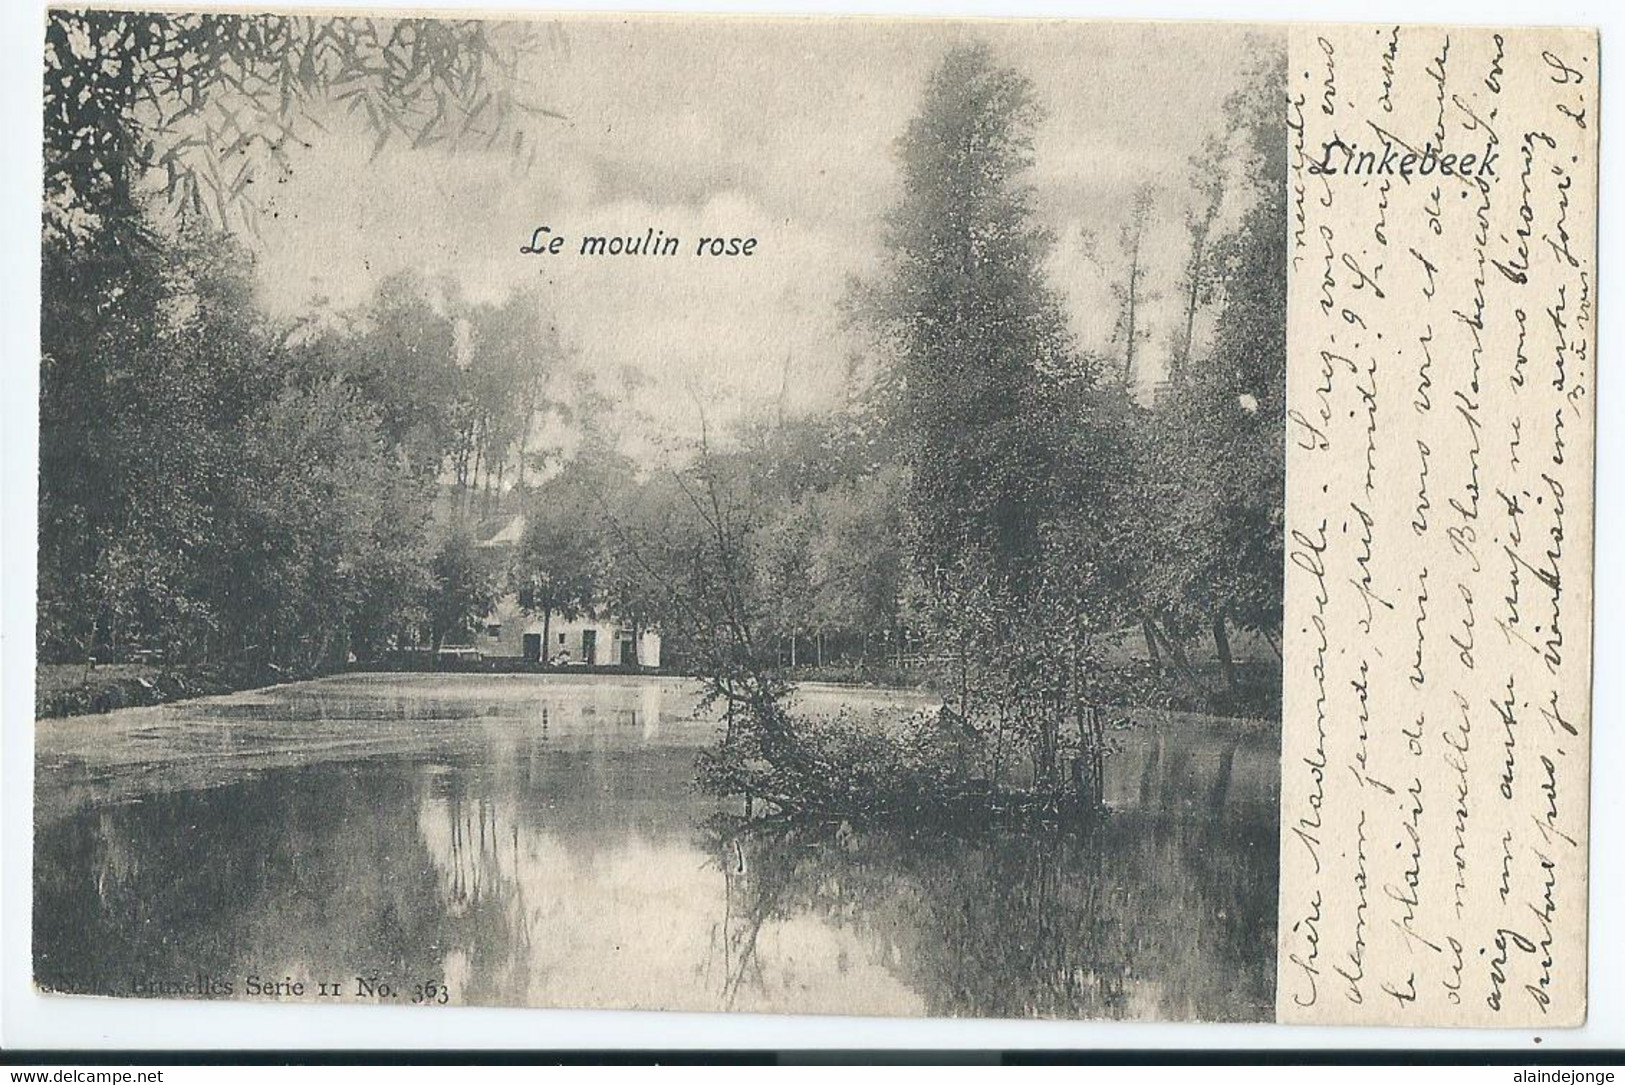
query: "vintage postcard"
900, 517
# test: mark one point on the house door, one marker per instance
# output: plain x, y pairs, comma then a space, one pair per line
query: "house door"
629, 655
533, 647
589, 646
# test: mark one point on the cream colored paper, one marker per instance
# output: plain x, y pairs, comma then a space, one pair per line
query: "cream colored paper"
1439, 511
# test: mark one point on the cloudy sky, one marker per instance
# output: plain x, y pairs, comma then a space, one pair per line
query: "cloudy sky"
777, 129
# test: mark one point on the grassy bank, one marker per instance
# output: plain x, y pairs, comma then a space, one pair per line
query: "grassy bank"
72, 689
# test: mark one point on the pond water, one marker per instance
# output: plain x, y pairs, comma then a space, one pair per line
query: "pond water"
536, 840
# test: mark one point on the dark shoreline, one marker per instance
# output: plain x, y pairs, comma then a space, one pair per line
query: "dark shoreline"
110, 687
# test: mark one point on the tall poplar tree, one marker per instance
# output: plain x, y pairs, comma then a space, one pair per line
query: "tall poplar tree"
980, 340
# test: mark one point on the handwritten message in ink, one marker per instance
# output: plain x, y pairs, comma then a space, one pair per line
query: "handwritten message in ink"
1439, 491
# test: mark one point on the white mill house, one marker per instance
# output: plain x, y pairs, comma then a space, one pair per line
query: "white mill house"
509, 632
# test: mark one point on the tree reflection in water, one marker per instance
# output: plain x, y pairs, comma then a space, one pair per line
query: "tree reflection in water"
1130, 917
528, 852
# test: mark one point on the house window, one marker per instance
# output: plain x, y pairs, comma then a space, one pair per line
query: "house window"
493, 631
561, 638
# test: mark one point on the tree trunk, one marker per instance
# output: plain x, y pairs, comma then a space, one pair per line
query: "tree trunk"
1275, 645
964, 680
1151, 644
1179, 364
1177, 654
1221, 644
1182, 359
524, 444
1088, 769
1128, 355
547, 637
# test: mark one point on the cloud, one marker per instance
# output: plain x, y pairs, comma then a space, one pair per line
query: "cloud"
776, 129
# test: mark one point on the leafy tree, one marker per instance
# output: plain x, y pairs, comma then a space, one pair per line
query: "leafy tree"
979, 338
149, 367
1196, 284
560, 557
859, 562
462, 589
650, 538
204, 103
1132, 293
1246, 381
784, 557
321, 493
514, 355
1218, 459
399, 351
1014, 453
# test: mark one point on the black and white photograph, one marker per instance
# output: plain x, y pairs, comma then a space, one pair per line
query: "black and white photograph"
626, 512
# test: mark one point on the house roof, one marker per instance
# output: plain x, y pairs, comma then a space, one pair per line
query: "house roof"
509, 535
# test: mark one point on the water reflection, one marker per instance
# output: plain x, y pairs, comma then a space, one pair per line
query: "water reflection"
537, 841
